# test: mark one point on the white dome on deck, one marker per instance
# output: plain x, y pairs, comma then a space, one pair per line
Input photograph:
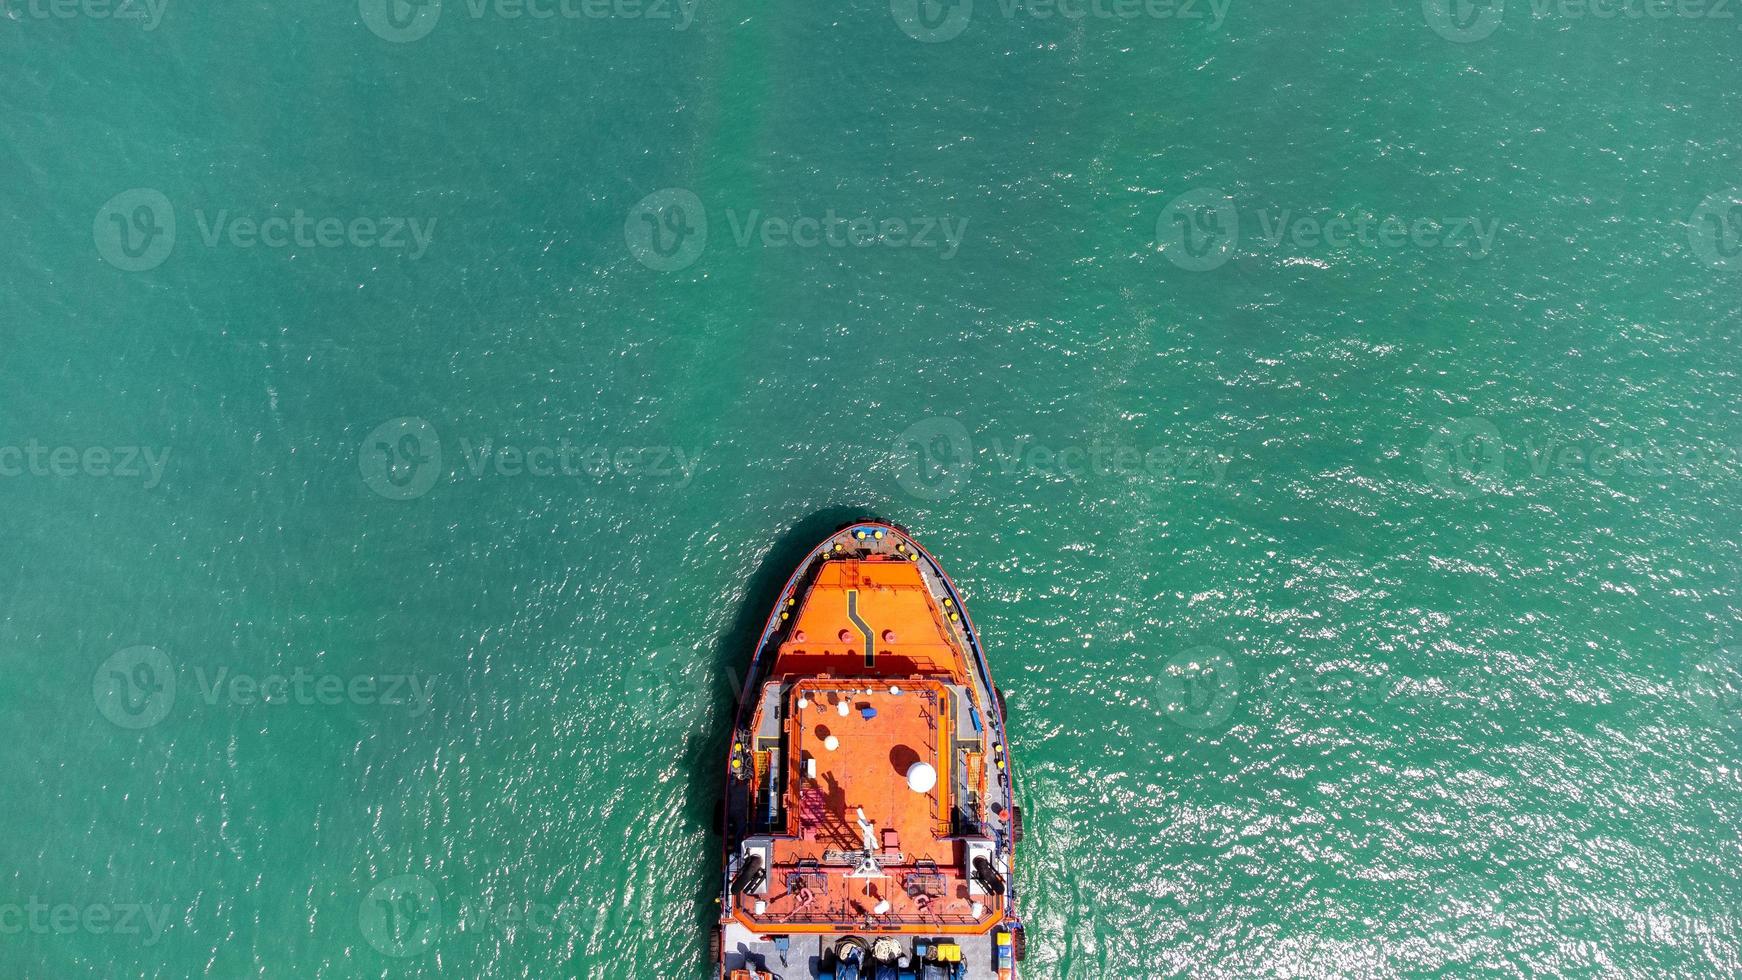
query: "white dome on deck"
921, 777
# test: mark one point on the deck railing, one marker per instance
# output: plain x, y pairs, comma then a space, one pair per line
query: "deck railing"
874, 922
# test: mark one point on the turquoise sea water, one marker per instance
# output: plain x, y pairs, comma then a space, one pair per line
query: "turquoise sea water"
1366, 607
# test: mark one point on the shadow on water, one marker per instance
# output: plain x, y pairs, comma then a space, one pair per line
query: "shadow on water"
731, 661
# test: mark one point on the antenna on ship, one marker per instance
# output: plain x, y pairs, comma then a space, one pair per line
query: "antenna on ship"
868, 866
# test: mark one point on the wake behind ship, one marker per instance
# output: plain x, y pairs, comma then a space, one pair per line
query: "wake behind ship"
869, 822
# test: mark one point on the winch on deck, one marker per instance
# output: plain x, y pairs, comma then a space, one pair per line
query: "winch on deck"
883, 958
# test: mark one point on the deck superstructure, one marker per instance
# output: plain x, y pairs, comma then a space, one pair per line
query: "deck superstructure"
869, 821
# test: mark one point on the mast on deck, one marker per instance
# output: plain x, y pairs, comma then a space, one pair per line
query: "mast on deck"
868, 866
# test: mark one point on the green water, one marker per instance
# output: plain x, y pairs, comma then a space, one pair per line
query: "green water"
1367, 608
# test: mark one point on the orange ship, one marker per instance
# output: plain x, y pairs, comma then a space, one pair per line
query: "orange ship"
869, 822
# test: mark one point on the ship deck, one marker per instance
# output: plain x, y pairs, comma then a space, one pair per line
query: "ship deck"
868, 669
922, 877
